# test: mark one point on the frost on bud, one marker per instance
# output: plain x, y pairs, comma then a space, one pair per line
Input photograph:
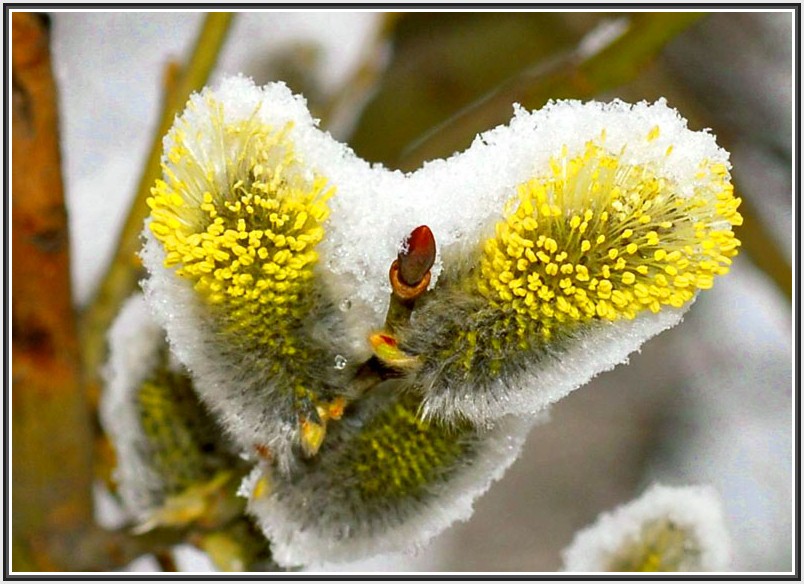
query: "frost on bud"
232, 250
621, 218
384, 480
668, 529
173, 464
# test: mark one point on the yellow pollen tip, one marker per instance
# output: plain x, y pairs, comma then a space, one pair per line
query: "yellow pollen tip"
261, 488
312, 437
387, 350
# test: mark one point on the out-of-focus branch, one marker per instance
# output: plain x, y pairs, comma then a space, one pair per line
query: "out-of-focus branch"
759, 244
577, 75
103, 550
123, 273
166, 561
51, 436
343, 107
51, 474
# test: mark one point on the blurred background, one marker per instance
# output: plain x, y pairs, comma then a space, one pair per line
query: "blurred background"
710, 401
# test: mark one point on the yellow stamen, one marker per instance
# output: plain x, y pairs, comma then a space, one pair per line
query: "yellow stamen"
654, 246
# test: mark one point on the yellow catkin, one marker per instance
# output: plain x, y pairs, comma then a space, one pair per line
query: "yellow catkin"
397, 454
625, 238
242, 223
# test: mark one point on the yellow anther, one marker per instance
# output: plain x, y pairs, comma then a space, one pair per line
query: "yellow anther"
261, 488
581, 273
312, 437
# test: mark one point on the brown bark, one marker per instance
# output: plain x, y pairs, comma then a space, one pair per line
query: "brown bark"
51, 469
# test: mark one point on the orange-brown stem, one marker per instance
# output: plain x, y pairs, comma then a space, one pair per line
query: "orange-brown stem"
402, 289
51, 472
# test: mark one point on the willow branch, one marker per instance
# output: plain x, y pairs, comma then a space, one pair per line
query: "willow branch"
576, 75
51, 439
103, 550
759, 244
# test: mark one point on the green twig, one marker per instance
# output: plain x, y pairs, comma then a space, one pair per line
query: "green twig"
102, 550
577, 75
123, 272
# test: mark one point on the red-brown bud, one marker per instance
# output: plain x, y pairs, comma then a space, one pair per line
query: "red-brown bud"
418, 258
